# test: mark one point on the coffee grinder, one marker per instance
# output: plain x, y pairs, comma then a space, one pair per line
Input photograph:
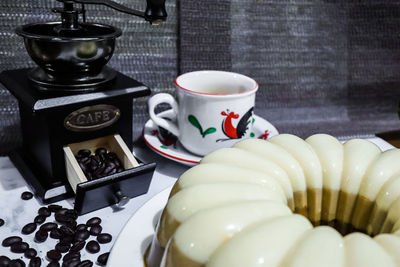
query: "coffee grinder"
73, 101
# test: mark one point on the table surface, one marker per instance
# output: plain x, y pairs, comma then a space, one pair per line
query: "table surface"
17, 212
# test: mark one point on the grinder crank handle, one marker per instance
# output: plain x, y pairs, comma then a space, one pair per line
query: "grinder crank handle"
155, 10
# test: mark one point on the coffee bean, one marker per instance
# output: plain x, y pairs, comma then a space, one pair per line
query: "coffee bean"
16, 263
119, 169
53, 255
47, 227
71, 224
62, 218
113, 171
19, 247
71, 263
104, 238
54, 208
11, 240
41, 236
55, 234
82, 235
44, 211
26, 195
84, 152
77, 246
71, 255
30, 253
103, 258
40, 219
85, 263
62, 247
72, 214
111, 156
95, 229
35, 262
93, 221
67, 239
83, 166
81, 227
92, 247
100, 151
1, 222
53, 264
29, 228
66, 231
4, 261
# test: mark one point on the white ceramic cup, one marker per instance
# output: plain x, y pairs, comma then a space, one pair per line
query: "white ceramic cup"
214, 109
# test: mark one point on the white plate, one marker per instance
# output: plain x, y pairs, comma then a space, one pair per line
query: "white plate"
137, 234
135, 237
176, 152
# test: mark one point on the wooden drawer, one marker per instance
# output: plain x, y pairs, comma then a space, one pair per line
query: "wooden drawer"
115, 189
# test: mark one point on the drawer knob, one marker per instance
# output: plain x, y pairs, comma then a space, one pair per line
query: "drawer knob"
122, 200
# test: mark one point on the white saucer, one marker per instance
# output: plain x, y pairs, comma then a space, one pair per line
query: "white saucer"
176, 152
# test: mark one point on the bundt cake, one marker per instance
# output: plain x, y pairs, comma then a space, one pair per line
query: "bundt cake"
284, 202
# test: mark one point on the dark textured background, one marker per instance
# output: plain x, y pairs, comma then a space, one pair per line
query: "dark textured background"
323, 66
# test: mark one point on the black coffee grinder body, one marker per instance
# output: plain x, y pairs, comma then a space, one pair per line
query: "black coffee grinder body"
71, 101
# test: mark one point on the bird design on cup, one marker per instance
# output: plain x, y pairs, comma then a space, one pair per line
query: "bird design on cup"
227, 124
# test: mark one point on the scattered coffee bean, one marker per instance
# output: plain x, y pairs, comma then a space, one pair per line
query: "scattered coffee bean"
103, 258
81, 227
71, 263
44, 211
4, 261
77, 246
71, 224
26, 195
104, 238
1, 222
62, 218
85, 263
40, 219
41, 236
16, 263
93, 221
66, 231
29, 228
82, 235
55, 234
11, 240
67, 239
71, 255
72, 214
53, 264
47, 227
53, 255
62, 247
30, 253
35, 262
19, 247
95, 229
54, 208
92, 247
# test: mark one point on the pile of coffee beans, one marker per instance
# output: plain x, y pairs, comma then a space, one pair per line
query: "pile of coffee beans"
102, 163
72, 239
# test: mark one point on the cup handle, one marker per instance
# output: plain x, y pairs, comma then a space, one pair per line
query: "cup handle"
157, 99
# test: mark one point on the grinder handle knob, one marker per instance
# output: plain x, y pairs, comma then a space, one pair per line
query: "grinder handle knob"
122, 200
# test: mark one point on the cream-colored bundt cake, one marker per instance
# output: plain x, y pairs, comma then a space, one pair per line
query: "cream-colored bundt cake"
260, 202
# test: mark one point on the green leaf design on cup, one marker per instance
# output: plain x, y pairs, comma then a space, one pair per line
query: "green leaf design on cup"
194, 121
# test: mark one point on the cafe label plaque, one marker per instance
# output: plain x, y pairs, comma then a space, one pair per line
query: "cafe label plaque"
92, 118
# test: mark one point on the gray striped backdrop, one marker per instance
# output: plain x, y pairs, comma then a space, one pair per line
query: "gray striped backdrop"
323, 66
